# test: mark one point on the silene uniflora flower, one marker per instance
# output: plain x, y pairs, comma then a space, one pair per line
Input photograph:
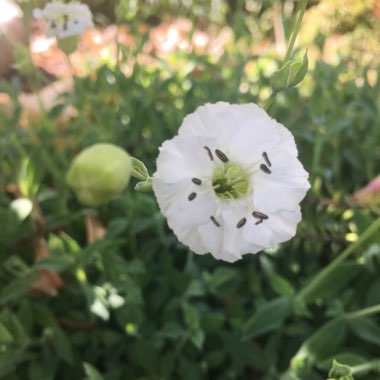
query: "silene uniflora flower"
230, 182
65, 20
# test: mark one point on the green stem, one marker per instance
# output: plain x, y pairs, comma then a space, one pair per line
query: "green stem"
270, 100
297, 26
300, 13
321, 276
373, 365
363, 312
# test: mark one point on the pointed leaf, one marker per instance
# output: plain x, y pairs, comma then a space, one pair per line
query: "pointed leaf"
268, 317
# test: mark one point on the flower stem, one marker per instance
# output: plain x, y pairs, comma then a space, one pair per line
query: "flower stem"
363, 312
292, 40
321, 276
297, 26
373, 365
270, 100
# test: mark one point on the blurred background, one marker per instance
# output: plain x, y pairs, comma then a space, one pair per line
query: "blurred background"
110, 293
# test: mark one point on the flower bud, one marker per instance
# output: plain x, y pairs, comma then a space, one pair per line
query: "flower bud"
289, 75
369, 195
99, 173
340, 372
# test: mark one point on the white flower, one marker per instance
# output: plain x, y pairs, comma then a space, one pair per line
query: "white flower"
65, 20
230, 182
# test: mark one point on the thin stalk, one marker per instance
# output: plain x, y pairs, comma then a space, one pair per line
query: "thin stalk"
296, 30
363, 312
321, 276
373, 365
297, 25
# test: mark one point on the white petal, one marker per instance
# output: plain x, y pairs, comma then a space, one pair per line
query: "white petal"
279, 227
284, 187
226, 242
190, 237
174, 203
184, 157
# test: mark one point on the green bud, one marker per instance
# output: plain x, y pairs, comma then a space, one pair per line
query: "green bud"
289, 75
68, 44
139, 170
144, 186
99, 173
340, 372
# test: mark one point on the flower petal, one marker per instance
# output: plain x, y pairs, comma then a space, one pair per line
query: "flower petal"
184, 157
174, 203
284, 187
279, 227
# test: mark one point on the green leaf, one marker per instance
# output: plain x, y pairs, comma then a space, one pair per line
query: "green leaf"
91, 372
28, 180
279, 284
321, 344
17, 288
55, 263
289, 75
222, 280
334, 281
197, 337
366, 329
5, 335
171, 330
191, 315
13, 325
268, 317
63, 345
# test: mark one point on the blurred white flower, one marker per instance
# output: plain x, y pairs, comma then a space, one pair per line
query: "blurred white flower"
65, 20
230, 182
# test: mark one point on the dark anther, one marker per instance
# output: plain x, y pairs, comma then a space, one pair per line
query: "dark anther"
266, 159
209, 153
222, 157
53, 25
265, 169
214, 221
241, 223
260, 216
197, 181
192, 196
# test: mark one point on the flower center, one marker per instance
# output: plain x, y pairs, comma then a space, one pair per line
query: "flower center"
230, 181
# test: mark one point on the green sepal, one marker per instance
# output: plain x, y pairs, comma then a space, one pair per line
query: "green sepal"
139, 170
144, 186
68, 44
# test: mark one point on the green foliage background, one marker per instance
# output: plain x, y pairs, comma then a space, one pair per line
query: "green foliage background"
137, 304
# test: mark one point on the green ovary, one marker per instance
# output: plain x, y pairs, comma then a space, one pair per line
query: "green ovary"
230, 181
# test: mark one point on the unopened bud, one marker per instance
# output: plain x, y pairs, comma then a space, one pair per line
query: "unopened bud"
369, 195
290, 74
99, 173
340, 372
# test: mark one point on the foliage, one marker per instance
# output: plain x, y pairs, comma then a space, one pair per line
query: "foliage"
134, 303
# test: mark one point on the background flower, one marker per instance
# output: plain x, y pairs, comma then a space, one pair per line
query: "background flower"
230, 182
65, 20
